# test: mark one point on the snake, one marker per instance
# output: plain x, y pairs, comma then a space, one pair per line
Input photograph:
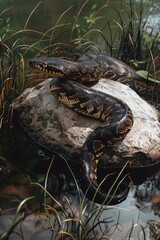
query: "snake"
69, 87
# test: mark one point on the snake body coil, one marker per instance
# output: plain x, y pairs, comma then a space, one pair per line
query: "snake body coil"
116, 115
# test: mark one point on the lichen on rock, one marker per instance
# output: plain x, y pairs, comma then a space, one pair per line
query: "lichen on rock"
59, 128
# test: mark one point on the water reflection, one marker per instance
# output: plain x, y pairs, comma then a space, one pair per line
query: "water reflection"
115, 221
148, 196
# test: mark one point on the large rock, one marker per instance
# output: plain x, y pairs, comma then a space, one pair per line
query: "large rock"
62, 130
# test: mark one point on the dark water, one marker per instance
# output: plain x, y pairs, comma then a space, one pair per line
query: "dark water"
139, 207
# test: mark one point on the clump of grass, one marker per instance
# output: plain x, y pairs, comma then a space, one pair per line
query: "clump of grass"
18, 218
125, 38
86, 222
83, 222
14, 52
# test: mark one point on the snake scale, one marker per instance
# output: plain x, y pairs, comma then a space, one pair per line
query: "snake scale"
68, 89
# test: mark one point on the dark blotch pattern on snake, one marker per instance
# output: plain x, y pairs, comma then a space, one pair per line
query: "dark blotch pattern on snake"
114, 112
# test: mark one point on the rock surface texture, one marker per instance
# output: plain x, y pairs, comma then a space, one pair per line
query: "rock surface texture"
60, 129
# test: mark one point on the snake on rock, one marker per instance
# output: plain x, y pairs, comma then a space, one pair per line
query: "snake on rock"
117, 116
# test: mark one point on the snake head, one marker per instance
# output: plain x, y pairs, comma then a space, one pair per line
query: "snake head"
52, 66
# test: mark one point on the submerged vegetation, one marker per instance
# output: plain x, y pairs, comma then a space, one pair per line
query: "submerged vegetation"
128, 37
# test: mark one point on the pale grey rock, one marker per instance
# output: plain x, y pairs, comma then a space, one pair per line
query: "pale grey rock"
59, 128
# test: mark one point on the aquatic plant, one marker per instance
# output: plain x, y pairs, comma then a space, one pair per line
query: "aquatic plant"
65, 218
126, 37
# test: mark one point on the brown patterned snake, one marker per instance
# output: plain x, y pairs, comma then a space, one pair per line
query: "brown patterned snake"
114, 112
